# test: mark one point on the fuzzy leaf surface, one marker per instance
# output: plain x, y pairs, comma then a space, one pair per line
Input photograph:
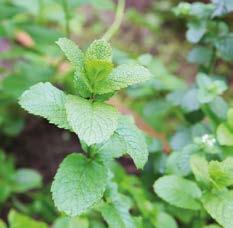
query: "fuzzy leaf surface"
93, 122
78, 184
45, 100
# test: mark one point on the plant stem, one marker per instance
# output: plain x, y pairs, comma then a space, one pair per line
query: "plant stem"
212, 62
67, 17
40, 11
212, 117
117, 22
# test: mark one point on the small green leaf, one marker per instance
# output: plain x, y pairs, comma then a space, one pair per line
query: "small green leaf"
72, 52
196, 30
178, 192
221, 172
79, 183
45, 100
200, 55
225, 135
93, 122
219, 205
116, 211
165, 220
17, 220
122, 77
26, 179
200, 169
225, 47
99, 50
67, 222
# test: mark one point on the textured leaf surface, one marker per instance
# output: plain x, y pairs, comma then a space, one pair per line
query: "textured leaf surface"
72, 52
45, 100
17, 220
93, 122
134, 141
116, 211
220, 207
178, 192
123, 76
78, 184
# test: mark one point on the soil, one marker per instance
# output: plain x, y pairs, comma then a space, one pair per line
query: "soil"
42, 146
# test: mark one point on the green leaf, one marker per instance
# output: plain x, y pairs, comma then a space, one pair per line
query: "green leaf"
2, 224
178, 192
45, 100
225, 47
200, 169
67, 222
93, 122
221, 172
165, 220
222, 7
116, 211
72, 52
200, 55
196, 30
219, 205
225, 135
17, 220
122, 77
79, 183
26, 179
99, 50
133, 141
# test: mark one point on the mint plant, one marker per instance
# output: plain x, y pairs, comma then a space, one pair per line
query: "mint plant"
84, 181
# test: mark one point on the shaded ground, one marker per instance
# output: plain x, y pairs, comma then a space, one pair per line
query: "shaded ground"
42, 146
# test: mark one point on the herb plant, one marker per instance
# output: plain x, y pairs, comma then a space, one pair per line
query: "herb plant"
85, 180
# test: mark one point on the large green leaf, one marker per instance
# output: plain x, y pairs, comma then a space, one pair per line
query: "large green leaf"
225, 47
93, 122
178, 192
78, 184
122, 77
45, 100
17, 220
220, 205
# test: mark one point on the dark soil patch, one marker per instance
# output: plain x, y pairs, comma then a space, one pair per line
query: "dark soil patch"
42, 146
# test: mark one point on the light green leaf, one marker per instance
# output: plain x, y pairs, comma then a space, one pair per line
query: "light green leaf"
200, 169
17, 220
230, 117
99, 50
225, 135
72, 52
116, 211
67, 222
133, 140
220, 205
26, 179
225, 47
222, 172
122, 77
200, 55
196, 30
222, 7
178, 192
2, 224
79, 183
45, 100
165, 220
93, 122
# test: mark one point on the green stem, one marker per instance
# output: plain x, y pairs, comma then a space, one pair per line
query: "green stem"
67, 17
40, 11
212, 117
212, 62
117, 22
